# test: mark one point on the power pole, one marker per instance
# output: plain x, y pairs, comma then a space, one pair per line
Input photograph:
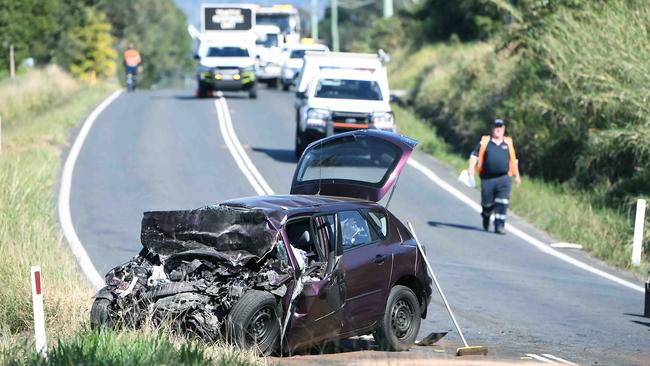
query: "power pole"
388, 8
314, 19
12, 64
335, 25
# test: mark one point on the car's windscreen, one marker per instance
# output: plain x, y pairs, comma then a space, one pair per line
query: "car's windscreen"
227, 52
359, 158
301, 53
267, 40
282, 21
348, 89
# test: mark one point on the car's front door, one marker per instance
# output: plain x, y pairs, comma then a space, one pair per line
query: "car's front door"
368, 265
319, 312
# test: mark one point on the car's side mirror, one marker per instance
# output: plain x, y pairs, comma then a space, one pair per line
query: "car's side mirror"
301, 95
196, 56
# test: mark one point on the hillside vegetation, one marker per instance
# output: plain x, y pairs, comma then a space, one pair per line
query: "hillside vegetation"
571, 80
87, 37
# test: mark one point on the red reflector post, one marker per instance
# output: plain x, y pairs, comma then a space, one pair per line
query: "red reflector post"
37, 282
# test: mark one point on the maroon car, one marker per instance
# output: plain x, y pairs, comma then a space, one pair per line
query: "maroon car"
284, 272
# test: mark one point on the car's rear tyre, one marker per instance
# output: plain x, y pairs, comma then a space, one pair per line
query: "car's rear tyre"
100, 313
254, 321
401, 321
203, 90
273, 83
285, 87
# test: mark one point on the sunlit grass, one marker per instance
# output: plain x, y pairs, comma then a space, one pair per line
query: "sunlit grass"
135, 348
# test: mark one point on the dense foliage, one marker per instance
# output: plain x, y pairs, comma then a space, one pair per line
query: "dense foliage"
570, 77
87, 37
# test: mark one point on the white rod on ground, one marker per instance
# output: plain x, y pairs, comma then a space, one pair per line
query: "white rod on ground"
435, 280
0, 134
12, 62
637, 243
39, 316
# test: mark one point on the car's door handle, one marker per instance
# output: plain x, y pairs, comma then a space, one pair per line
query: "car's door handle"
380, 258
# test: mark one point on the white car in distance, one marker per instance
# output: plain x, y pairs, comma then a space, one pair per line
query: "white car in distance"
293, 61
341, 100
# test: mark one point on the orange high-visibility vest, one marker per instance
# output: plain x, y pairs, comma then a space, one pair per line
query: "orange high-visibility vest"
512, 164
132, 57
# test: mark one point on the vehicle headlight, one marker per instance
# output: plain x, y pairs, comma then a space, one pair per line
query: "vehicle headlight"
383, 120
317, 117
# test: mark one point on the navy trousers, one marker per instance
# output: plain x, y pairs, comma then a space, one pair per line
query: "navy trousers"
495, 195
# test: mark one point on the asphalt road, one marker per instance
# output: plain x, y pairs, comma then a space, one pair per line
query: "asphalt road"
162, 150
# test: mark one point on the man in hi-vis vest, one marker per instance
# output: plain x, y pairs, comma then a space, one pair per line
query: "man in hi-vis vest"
495, 160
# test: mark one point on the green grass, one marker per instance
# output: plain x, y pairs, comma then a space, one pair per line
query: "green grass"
129, 348
34, 132
35, 128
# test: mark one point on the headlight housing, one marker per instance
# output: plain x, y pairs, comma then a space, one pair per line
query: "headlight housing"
317, 118
384, 120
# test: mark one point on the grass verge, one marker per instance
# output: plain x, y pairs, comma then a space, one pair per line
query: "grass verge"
35, 127
129, 348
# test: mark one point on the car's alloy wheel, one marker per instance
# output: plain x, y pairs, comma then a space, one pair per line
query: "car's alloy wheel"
401, 321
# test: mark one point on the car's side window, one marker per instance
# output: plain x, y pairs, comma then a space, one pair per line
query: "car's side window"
354, 229
379, 220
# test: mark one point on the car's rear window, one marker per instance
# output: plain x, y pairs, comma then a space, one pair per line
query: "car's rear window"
356, 158
348, 89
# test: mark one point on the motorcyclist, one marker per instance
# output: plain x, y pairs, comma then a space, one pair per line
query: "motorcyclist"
131, 62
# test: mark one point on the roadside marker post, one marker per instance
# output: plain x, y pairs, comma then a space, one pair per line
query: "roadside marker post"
39, 316
637, 243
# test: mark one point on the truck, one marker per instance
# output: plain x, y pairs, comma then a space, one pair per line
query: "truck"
285, 17
226, 52
340, 92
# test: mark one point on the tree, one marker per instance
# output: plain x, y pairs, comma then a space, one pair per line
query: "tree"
90, 47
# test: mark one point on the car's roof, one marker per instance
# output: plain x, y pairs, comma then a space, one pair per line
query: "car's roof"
289, 205
308, 47
347, 74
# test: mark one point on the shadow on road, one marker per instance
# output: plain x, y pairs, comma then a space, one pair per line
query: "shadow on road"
456, 226
281, 155
647, 324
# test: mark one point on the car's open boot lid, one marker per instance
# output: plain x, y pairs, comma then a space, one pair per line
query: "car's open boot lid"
361, 164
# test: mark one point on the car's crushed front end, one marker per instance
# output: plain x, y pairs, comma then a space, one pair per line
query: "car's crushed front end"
194, 266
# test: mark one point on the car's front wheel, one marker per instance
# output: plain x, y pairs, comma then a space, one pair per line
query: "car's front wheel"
401, 321
254, 321
100, 313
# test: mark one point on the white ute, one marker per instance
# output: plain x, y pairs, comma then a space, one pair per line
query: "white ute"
340, 92
293, 61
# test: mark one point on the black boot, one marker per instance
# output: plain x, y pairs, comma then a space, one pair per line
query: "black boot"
499, 229
486, 222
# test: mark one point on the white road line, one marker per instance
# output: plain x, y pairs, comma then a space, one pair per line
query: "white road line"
517, 232
558, 359
242, 160
539, 358
65, 217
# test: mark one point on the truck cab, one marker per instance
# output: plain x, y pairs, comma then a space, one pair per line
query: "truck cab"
331, 98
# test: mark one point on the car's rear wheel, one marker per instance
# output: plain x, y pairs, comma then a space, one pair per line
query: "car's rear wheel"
401, 321
254, 321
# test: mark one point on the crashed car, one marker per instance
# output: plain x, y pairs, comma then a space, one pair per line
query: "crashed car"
284, 272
